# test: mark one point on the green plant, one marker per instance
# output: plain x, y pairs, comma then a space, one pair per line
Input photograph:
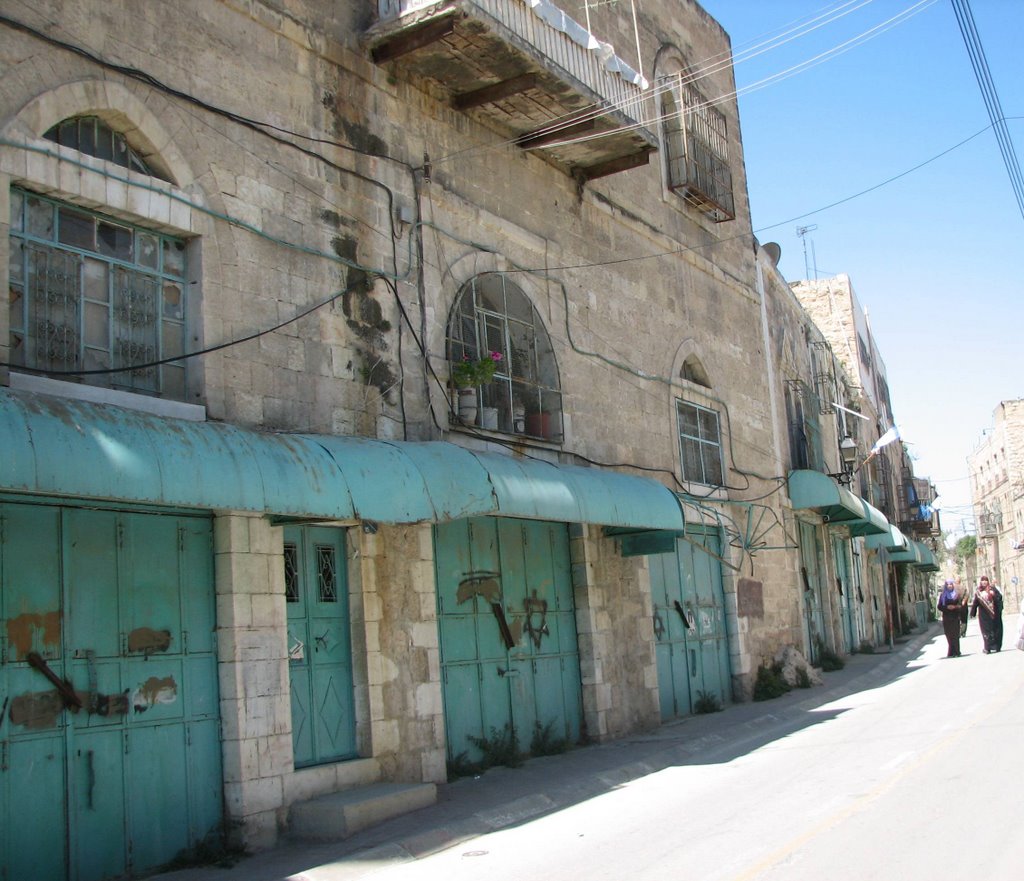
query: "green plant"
829, 661
501, 748
706, 702
545, 743
803, 678
866, 648
770, 682
470, 373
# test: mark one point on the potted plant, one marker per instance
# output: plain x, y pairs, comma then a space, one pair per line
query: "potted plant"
468, 375
538, 420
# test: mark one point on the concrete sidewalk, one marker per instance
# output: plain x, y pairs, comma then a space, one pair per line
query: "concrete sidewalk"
474, 806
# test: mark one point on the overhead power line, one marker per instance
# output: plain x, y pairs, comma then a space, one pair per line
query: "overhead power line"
979, 62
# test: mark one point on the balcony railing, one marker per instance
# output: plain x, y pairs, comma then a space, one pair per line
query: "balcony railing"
528, 70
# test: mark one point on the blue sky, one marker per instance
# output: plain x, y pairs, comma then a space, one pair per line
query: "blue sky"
936, 256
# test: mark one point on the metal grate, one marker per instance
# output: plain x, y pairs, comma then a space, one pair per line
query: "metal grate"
327, 573
291, 573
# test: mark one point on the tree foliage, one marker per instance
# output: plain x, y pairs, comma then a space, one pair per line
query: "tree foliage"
966, 547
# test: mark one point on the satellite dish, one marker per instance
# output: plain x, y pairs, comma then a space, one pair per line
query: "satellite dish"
774, 252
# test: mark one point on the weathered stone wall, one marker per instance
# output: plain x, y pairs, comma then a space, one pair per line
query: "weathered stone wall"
298, 210
616, 637
406, 713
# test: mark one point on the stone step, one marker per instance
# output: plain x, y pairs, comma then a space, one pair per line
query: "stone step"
341, 814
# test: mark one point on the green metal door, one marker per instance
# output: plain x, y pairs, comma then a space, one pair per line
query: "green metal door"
811, 575
509, 654
844, 590
110, 740
716, 671
860, 632
319, 645
691, 641
675, 620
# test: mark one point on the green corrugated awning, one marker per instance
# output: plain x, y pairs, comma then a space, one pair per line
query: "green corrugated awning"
893, 540
911, 554
69, 448
928, 563
815, 491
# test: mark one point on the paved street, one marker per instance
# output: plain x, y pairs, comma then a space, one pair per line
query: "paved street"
903, 765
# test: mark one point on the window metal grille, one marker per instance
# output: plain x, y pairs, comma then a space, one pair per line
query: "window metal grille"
804, 429
92, 136
327, 574
697, 149
291, 573
91, 293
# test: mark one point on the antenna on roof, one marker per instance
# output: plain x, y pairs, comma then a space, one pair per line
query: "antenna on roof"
802, 232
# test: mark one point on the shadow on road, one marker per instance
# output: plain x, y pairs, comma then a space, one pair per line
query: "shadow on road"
506, 797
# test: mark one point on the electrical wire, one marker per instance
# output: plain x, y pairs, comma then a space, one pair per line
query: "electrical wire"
979, 62
260, 126
713, 64
707, 245
597, 110
187, 355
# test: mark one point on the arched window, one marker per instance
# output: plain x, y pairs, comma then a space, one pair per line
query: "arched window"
92, 136
492, 314
693, 370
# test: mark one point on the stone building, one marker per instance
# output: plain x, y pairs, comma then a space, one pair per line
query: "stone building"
257, 546
883, 476
996, 470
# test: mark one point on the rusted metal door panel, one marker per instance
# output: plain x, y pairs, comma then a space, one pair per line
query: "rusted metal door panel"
117, 790
157, 794
691, 641
32, 817
319, 645
32, 770
674, 615
97, 804
711, 629
844, 592
811, 573
509, 651
31, 601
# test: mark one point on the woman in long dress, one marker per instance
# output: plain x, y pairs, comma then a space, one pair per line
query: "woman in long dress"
987, 608
950, 603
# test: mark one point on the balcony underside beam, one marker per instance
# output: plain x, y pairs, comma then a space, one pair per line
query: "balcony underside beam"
415, 38
614, 166
551, 135
496, 92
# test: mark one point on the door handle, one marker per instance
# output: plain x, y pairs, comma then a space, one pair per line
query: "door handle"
509, 672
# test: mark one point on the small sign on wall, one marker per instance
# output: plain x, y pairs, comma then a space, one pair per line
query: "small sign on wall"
750, 598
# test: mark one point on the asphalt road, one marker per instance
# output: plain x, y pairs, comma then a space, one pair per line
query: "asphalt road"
903, 766
921, 777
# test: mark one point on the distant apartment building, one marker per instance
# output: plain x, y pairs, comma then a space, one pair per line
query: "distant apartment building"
996, 470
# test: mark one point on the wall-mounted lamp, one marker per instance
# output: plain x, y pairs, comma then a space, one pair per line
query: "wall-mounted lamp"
848, 460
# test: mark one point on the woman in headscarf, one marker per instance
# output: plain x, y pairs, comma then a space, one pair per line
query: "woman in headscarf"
987, 607
950, 603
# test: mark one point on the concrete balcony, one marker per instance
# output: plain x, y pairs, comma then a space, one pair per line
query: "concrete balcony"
527, 71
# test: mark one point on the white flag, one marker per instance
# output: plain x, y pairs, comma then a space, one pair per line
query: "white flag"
891, 435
